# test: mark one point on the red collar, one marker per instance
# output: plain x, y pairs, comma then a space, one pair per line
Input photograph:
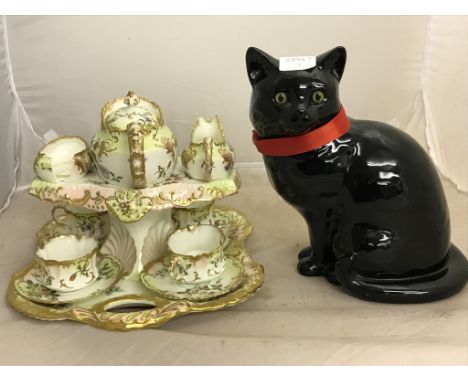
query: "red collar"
282, 147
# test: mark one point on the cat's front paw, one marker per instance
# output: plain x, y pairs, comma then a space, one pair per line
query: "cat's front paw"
305, 253
307, 268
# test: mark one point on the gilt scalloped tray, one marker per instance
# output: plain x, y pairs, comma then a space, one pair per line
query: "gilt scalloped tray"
129, 305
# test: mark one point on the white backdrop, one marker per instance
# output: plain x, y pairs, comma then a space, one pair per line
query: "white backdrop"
57, 72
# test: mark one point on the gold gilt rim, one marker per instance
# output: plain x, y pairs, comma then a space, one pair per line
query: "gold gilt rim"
165, 309
80, 259
63, 137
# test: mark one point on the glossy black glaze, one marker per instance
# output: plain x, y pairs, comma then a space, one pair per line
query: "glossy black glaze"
372, 199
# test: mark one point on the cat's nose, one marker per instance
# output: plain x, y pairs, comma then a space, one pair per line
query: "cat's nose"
301, 108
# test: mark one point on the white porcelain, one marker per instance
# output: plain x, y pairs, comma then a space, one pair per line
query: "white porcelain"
63, 160
196, 253
134, 147
68, 262
156, 278
209, 156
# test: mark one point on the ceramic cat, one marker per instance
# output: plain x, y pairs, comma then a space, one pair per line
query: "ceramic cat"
376, 212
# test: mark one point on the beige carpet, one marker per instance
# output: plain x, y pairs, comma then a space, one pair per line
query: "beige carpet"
291, 320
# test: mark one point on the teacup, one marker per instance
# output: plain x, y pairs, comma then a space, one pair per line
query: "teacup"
68, 262
196, 254
65, 159
200, 213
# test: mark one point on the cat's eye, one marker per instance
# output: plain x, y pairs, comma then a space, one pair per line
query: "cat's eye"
318, 96
281, 98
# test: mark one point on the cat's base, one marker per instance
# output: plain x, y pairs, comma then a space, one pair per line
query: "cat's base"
437, 284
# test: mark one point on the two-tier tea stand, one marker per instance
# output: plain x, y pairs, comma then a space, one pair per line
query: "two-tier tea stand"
138, 222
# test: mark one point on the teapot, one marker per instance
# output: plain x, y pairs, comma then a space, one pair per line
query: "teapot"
134, 147
209, 156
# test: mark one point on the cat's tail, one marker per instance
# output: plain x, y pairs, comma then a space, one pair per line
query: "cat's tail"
442, 281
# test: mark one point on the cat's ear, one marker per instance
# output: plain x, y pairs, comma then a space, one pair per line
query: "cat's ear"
333, 60
259, 65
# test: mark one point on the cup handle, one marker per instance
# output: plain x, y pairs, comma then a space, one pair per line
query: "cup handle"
174, 263
208, 161
56, 219
82, 161
136, 145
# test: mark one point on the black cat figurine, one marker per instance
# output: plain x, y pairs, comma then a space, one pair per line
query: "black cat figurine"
375, 208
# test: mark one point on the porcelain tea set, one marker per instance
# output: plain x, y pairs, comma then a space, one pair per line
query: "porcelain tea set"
69, 267
135, 148
138, 225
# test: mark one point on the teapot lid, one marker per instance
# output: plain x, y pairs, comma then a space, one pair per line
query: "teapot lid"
116, 115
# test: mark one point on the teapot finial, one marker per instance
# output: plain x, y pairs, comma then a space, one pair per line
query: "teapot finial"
131, 98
